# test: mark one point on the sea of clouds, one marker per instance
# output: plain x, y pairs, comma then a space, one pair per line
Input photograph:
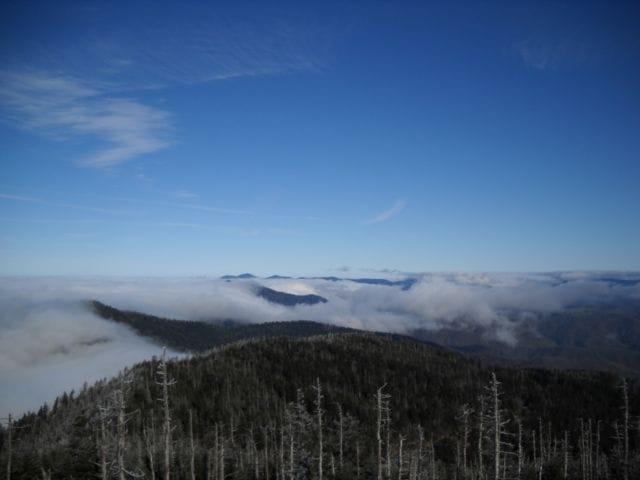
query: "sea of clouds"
51, 342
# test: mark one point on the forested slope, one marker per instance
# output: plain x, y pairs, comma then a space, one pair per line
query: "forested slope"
195, 336
400, 407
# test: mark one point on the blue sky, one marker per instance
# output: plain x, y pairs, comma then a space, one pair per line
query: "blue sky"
197, 139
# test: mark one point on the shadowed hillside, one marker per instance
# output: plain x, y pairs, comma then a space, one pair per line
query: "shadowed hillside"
183, 335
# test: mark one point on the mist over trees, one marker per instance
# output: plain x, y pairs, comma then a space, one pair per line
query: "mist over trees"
339, 406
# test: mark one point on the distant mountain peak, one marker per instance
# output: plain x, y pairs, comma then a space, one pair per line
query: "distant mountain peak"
242, 276
288, 299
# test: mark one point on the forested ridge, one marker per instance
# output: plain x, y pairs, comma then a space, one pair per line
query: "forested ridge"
337, 406
196, 336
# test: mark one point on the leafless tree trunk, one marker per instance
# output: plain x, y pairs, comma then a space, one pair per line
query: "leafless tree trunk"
598, 449
566, 454
497, 424
465, 413
520, 453
256, 459
192, 452
583, 456
209, 465
266, 453
420, 447
282, 466
480, 438
541, 449
149, 435
535, 451
120, 427
387, 422
380, 398
102, 447
340, 436
291, 451
166, 382
433, 461
216, 450
318, 389
589, 450
400, 444
221, 458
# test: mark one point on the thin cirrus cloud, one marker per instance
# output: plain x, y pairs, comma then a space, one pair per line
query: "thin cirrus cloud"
397, 207
65, 107
23, 199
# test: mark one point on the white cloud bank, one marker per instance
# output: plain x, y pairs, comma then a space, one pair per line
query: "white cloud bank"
49, 342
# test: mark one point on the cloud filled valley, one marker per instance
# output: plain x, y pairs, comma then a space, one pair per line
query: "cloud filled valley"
51, 342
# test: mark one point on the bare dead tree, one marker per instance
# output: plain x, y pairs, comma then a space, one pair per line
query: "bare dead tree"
625, 428
209, 460
520, 452
165, 381
590, 450
432, 457
497, 424
319, 412
540, 434
566, 454
120, 406
103, 448
192, 449
481, 436
256, 459
221, 461
149, 434
340, 436
598, 448
465, 413
381, 398
387, 424
400, 460
419, 454
122, 418
265, 435
291, 450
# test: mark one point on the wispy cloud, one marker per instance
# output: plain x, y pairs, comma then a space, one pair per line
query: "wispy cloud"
21, 198
389, 213
199, 45
212, 209
65, 107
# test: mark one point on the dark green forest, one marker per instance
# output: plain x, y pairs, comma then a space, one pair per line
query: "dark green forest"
333, 406
195, 336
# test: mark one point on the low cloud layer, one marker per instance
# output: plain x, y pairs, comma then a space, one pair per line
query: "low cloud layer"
50, 342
